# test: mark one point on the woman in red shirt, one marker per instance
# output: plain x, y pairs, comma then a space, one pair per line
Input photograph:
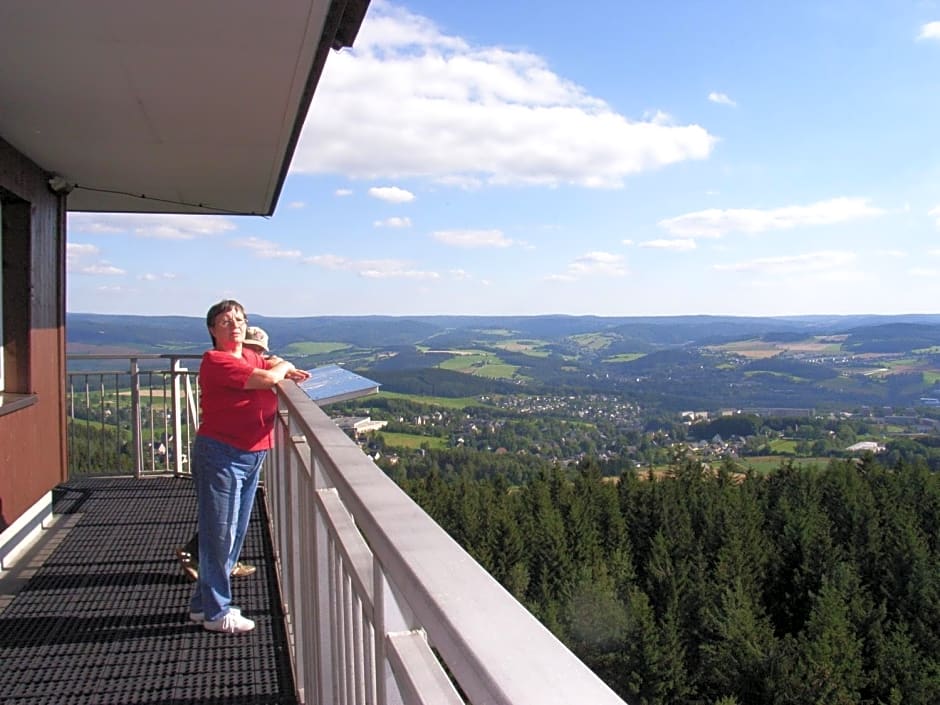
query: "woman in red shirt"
236, 430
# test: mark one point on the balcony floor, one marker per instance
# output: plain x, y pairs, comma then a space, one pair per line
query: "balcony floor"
98, 612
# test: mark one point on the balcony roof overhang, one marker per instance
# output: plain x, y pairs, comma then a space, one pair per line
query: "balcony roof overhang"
172, 106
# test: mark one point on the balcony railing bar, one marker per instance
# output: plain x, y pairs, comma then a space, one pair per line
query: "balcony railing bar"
160, 439
493, 648
414, 666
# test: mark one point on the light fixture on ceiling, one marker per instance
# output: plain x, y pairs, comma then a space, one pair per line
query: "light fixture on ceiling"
59, 185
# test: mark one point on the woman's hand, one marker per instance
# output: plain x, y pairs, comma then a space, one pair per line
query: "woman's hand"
277, 370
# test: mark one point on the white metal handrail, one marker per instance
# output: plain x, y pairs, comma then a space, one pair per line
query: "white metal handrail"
381, 603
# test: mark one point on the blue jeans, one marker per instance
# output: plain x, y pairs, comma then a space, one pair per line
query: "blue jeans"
225, 479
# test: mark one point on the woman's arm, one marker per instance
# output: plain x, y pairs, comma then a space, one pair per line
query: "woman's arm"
277, 371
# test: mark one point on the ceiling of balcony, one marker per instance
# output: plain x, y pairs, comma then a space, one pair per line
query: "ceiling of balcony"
183, 102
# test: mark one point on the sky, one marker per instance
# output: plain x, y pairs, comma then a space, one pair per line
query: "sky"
614, 158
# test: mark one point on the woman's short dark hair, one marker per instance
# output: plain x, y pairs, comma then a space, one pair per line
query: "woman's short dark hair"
224, 306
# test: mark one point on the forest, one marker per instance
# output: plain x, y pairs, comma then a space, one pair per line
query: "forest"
713, 587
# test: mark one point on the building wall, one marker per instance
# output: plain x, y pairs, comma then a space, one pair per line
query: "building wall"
32, 438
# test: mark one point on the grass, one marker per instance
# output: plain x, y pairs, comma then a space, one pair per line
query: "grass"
532, 348
783, 445
497, 371
757, 349
625, 357
411, 440
480, 364
309, 348
446, 402
593, 341
773, 373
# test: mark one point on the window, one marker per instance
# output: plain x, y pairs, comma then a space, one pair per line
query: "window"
15, 309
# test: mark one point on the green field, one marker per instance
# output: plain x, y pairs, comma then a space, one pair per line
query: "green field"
481, 364
931, 377
783, 445
532, 348
773, 373
625, 357
411, 440
594, 341
308, 348
446, 402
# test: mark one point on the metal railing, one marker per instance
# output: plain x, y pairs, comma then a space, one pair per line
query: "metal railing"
381, 605
141, 418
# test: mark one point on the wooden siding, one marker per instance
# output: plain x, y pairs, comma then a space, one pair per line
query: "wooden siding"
32, 439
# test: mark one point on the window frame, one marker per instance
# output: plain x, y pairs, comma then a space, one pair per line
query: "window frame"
15, 249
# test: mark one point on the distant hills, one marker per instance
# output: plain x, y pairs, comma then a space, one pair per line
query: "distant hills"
152, 333
670, 361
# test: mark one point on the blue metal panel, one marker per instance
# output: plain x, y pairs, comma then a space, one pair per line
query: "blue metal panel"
332, 383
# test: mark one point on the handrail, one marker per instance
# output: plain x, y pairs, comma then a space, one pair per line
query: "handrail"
96, 439
423, 583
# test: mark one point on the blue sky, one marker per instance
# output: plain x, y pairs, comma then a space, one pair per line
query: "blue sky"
730, 157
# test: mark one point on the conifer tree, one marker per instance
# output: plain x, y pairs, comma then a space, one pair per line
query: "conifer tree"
830, 664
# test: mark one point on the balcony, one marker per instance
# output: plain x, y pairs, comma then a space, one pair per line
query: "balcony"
360, 596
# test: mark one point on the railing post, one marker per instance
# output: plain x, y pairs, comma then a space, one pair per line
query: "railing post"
322, 594
136, 431
177, 370
390, 618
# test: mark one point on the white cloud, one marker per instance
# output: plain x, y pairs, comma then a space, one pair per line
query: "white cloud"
99, 268
265, 248
76, 249
394, 222
168, 226
924, 273
472, 238
392, 194
591, 264
721, 99
823, 261
411, 101
716, 222
895, 254
371, 269
150, 277
679, 244
296, 204
458, 275
935, 213
83, 258
342, 192
930, 30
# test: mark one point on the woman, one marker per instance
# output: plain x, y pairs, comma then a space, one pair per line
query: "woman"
188, 556
236, 430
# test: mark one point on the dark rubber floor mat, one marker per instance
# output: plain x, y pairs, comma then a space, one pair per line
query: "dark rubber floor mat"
105, 619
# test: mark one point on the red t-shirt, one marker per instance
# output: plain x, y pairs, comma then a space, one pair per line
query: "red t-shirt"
243, 418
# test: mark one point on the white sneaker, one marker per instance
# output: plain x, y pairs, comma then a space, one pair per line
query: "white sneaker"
230, 623
200, 617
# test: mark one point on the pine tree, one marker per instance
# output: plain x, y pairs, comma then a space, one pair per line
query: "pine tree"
830, 666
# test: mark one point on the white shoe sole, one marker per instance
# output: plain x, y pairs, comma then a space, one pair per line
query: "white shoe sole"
230, 624
200, 617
